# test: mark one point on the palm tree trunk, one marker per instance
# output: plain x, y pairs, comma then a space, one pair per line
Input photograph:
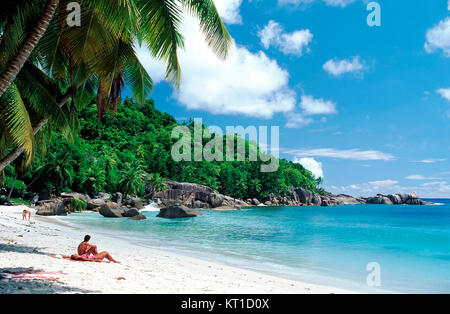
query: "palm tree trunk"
102, 93
17, 62
18, 150
12, 188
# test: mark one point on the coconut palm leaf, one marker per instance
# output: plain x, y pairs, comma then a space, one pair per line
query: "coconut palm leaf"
216, 34
138, 79
15, 118
41, 94
160, 24
85, 44
118, 16
31, 39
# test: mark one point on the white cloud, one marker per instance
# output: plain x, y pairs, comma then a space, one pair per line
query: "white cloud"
448, 6
310, 106
434, 183
438, 37
415, 177
312, 165
313, 106
156, 69
246, 83
384, 183
431, 160
338, 67
296, 120
419, 177
445, 93
229, 10
294, 43
335, 3
350, 154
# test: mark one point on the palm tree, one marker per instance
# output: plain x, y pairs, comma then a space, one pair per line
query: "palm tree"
21, 56
74, 56
132, 179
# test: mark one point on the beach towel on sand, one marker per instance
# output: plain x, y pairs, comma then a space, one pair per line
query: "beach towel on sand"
30, 275
69, 259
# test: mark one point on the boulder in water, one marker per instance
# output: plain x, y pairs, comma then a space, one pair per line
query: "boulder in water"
395, 199
178, 212
379, 199
111, 210
138, 217
131, 212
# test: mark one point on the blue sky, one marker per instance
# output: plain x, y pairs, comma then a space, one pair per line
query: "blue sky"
369, 107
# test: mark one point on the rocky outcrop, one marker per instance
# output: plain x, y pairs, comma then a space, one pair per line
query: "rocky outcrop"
111, 210
103, 196
134, 202
178, 212
117, 198
138, 217
316, 200
379, 199
396, 199
54, 207
191, 195
330, 200
95, 203
255, 202
76, 195
131, 212
304, 196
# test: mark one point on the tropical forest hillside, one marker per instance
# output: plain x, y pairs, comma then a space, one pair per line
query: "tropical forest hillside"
121, 152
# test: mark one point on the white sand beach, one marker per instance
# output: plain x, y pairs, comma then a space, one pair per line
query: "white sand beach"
26, 246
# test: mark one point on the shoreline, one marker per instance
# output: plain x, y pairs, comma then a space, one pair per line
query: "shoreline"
26, 246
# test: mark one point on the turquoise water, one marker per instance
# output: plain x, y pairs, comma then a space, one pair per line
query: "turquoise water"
330, 246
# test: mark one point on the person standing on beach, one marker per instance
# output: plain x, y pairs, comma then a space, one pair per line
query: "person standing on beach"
26, 213
85, 248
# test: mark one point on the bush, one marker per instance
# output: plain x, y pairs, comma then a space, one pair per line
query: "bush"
19, 187
77, 205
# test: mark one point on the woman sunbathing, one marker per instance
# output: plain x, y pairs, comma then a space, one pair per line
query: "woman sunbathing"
94, 258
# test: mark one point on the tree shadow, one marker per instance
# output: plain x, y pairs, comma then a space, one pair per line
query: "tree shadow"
36, 286
18, 248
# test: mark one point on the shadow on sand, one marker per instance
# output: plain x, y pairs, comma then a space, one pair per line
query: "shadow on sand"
36, 286
17, 248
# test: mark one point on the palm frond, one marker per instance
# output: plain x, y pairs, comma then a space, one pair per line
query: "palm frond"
86, 43
41, 93
217, 36
138, 79
120, 17
161, 21
15, 117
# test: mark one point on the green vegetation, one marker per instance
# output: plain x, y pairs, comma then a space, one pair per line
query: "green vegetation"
61, 126
50, 69
77, 205
124, 153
